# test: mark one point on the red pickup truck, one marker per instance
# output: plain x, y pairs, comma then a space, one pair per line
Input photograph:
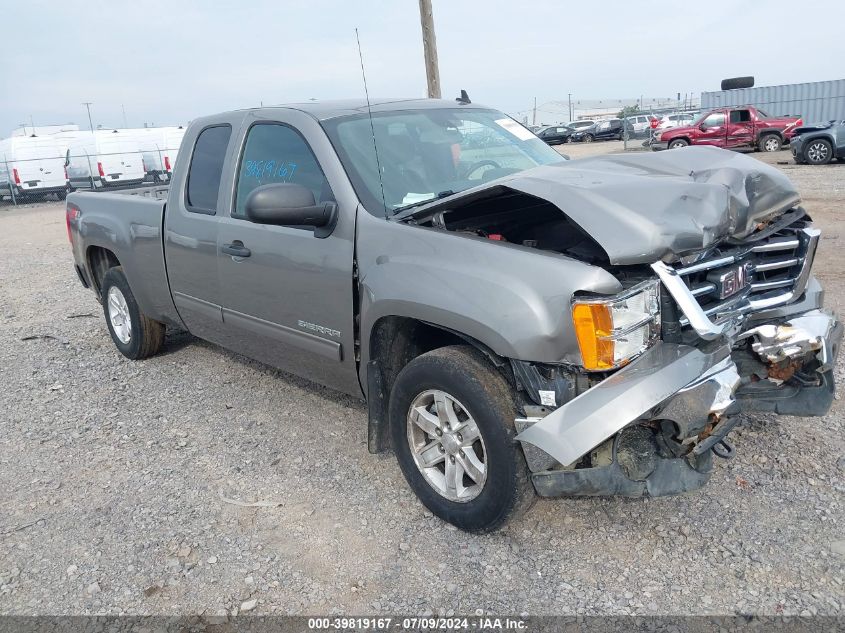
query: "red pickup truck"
732, 128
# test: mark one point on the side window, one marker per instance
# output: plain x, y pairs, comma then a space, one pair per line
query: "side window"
740, 116
276, 153
206, 169
715, 120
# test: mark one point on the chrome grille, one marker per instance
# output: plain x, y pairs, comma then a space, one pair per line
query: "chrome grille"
775, 271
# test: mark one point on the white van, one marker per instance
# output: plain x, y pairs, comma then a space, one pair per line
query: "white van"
102, 158
32, 166
159, 147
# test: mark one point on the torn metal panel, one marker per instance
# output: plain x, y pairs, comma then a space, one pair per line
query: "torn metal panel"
586, 421
809, 333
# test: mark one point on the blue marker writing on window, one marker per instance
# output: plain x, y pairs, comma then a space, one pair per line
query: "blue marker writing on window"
269, 170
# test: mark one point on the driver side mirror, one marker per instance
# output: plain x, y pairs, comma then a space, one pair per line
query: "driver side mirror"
289, 204
702, 127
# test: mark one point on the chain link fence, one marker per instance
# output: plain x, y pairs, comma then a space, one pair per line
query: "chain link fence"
27, 177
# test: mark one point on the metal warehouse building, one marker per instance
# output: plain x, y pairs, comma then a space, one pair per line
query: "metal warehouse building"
815, 102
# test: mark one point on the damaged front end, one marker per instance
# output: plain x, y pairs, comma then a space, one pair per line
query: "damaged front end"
652, 427
718, 312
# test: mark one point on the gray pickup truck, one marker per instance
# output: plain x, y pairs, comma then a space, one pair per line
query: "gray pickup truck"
518, 323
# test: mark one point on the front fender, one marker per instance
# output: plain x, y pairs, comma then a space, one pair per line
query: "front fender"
513, 299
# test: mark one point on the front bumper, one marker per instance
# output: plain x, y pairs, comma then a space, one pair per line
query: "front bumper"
652, 427
657, 146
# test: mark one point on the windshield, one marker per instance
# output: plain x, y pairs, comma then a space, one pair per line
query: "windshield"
428, 154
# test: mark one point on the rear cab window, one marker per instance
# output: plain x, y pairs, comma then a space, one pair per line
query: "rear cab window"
206, 169
740, 116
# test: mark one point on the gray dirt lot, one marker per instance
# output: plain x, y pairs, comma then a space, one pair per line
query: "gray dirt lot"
113, 473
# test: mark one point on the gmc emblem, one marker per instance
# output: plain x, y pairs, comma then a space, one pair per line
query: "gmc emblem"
734, 280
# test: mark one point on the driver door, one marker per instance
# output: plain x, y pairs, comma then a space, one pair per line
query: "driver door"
712, 130
287, 294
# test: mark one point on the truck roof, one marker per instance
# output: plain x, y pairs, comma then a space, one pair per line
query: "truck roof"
331, 109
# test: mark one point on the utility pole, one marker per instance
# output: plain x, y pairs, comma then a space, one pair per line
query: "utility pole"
122, 107
87, 105
432, 72
534, 119
570, 106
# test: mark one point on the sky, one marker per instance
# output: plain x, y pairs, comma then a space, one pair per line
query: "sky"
168, 62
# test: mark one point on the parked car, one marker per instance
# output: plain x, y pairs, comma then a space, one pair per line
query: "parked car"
32, 166
103, 158
732, 128
819, 144
676, 120
517, 323
601, 131
640, 124
556, 134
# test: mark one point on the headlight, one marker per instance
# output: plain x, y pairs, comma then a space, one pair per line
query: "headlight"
613, 331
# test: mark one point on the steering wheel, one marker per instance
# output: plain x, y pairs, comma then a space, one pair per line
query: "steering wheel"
479, 165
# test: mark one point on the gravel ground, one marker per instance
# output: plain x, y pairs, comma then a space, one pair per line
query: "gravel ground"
116, 482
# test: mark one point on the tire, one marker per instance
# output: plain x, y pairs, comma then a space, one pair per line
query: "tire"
735, 83
818, 151
142, 337
678, 143
770, 143
588, 138
464, 382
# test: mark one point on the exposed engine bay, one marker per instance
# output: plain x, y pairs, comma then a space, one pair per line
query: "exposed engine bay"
519, 218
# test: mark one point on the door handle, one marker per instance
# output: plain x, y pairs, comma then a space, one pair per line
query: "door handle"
236, 249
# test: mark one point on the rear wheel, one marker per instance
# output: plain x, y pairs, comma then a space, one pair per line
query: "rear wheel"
818, 152
588, 138
452, 426
678, 143
134, 334
770, 143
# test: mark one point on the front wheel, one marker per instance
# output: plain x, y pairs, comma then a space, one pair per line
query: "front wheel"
452, 427
678, 143
818, 152
588, 138
135, 335
770, 143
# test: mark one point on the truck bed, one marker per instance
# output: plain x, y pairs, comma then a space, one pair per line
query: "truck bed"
129, 226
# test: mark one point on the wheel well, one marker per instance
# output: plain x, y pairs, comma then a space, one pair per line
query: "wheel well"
394, 342
99, 261
679, 138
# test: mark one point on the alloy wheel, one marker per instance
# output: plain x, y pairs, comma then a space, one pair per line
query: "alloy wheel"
447, 446
121, 322
817, 152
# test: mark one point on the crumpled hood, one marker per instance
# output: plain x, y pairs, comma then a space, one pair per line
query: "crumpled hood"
648, 206
642, 207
